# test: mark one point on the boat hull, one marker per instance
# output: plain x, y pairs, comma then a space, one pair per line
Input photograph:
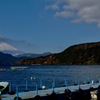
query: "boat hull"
18, 68
4, 87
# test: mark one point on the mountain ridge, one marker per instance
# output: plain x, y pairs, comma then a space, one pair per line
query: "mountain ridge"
8, 59
85, 53
33, 55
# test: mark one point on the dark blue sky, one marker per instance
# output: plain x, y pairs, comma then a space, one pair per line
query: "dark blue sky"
39, 26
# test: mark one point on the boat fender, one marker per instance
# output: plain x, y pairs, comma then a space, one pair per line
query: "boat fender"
19, 98
99, 87
37, 98
11, 93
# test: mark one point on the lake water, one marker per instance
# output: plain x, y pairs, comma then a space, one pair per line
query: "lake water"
47, 74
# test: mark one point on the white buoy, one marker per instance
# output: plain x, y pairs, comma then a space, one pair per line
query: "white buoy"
34, 78
43, 87
31, 78
92, 82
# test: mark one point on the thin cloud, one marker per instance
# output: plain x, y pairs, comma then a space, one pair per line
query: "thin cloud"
64, 14
5, 46
79, 10
17, 44
54, 7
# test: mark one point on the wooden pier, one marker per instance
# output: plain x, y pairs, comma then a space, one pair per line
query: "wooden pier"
31, 94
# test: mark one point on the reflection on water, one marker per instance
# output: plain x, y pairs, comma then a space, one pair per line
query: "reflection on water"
46, 74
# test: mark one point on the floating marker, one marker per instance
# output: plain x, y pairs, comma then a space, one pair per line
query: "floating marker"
36, 89
43, 87
99, 80
9, 86
31, 78
40, 83
84, 80
17, 94
53, 84
92, 82
75, 81
34, 78
66, 83
88, 79
79, 83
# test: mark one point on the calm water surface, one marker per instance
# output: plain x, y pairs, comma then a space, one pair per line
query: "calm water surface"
35, 74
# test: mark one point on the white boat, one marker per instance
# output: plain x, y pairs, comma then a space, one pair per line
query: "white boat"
4, 87
18, 67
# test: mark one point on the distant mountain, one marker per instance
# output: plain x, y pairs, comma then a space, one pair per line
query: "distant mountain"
33, 55
86, 53
12, 52
7, 59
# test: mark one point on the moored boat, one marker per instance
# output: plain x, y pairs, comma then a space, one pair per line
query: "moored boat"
18, 67
4, 87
